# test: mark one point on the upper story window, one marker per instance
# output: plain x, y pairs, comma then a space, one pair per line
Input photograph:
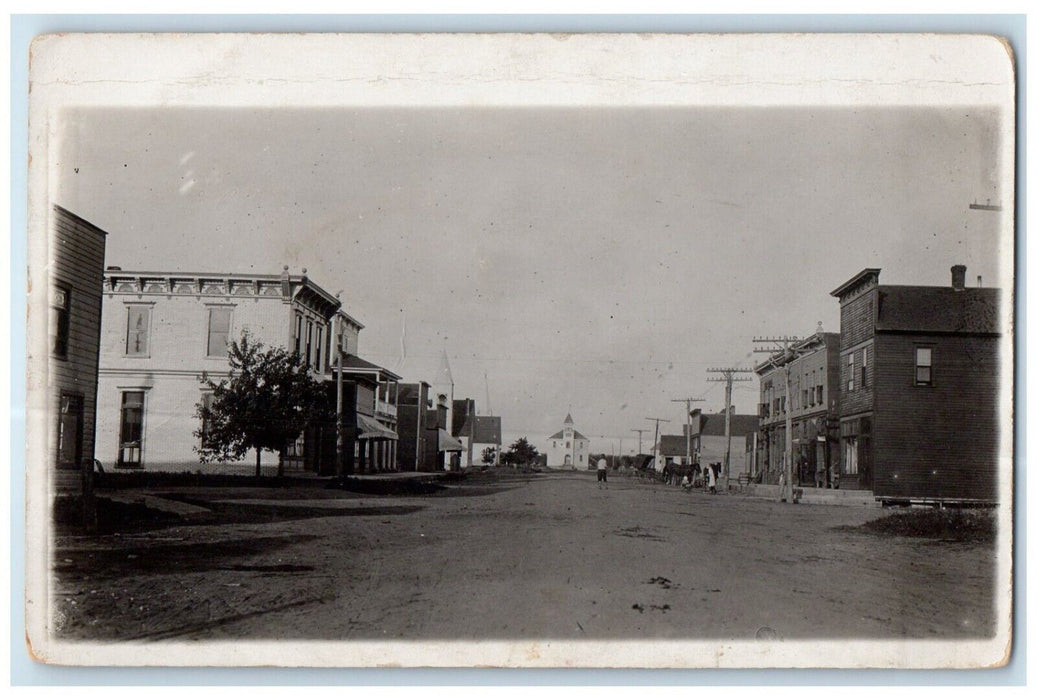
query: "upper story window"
320, 348
864, 368
298, 334
923, 366
219, 331
820, 394
138, 328
849, 372
805, 398
309, 342
60, 308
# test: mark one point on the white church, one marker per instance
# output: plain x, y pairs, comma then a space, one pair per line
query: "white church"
568, 449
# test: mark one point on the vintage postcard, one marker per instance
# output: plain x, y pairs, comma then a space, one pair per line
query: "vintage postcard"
648, 351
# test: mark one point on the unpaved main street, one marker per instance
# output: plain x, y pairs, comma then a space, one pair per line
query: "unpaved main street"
542, 556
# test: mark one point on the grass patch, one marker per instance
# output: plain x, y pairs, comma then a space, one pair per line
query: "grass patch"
953, 525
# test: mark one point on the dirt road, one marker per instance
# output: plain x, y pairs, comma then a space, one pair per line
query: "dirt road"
546, 556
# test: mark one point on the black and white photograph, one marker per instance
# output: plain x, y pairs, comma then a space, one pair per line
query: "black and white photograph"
649, 351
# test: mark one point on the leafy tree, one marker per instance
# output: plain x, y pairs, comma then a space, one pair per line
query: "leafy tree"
489, 455
521, 452
265, 403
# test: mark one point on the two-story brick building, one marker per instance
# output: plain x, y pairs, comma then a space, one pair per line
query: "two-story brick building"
74, 289
813, 405
162, 332
919, 380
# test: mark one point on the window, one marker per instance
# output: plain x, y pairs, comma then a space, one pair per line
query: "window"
864, 368
70, 431
219, 331
566, 444
805, 398
923, 366
298, 334
850, 457
554, 443
820, 394
207, 404
60, 303
782, 404
138, 320
309, 341
131, 429
320, 348
849, 372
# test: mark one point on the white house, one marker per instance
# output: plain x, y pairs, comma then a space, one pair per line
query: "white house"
567, 448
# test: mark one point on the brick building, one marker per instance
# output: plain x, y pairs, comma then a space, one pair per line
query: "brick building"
919, 381
74, 287
163, 331
813, 373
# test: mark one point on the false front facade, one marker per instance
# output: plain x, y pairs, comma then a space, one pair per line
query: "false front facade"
919, 380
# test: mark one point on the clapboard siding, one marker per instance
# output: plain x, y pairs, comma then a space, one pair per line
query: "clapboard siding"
940, 441
857, 319
77, 264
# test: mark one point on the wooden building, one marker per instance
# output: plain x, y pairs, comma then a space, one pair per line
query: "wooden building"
75, 284
568, 448
919, 381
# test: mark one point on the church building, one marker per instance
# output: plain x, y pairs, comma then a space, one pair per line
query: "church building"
568, 449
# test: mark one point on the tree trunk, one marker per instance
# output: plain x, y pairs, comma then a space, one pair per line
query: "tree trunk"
259, 453
280, 463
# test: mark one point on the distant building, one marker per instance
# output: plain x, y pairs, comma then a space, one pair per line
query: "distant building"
674, 448
163, 332
476, 433
709, 442
567, 448
919, 376
425, 442
369, 416
76, 272
813, 405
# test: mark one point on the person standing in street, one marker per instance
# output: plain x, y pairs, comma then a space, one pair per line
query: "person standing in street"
603, 473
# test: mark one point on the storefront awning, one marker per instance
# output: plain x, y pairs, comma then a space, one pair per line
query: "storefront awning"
370, 429
447, 443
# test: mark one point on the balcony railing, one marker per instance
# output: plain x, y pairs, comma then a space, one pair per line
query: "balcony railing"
385, 408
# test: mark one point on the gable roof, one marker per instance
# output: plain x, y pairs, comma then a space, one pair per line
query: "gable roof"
973, 310
577, 435
673, 445
714, 424
487, 430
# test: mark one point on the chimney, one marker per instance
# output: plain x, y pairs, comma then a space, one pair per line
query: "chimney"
958, 277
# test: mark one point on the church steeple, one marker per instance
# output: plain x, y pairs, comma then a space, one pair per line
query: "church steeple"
568, 419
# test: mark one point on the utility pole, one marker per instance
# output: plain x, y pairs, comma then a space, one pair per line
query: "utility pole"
340, 428
727, 376
783, 349
638, 431
687, 426
655, 448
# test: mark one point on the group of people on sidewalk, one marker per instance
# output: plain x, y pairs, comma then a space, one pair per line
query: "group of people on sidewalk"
709, 480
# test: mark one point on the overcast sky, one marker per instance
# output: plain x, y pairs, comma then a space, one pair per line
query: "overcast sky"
593, 260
